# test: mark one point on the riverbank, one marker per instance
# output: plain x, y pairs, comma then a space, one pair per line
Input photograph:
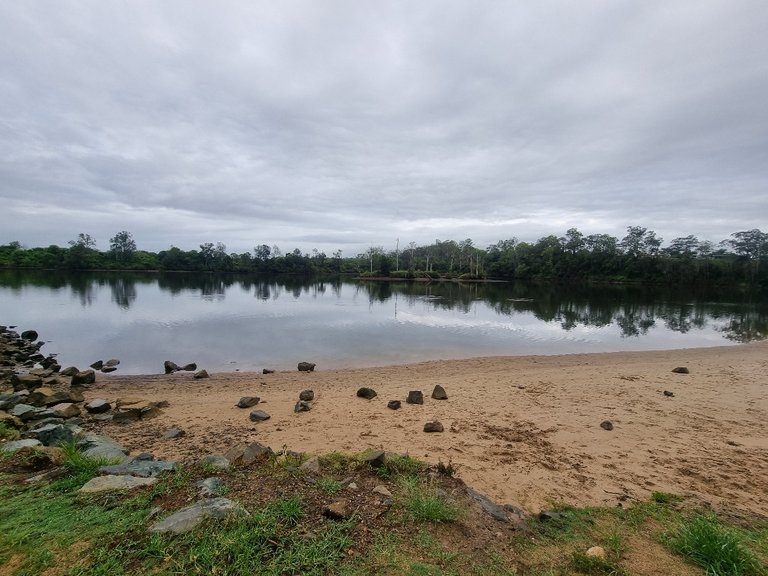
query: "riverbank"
524, 430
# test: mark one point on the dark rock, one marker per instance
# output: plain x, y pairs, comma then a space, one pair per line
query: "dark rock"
10, 421
307, 395
140, 468
112, 362
98, 406
66, 410
82, 378
98, 365
200, 374
52, 434
547, 516
143, 457
69, 371
668, 393
338, 510
606, 425
394, 404
375, 458
211, 487
29, 335
259, 416
367, 393
218, 461
681, 370
15, 445
24, 412
108, 369
248, 401
302, 406
98, 446
306, 367
433, 427
189, 367
495, 511
267, 371
415, 397
170, 367
26, 382
174, 433
126, 416
115, 483
255, 452
45, 396
439, 393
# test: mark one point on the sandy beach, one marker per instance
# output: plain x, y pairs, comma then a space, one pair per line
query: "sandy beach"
524, 430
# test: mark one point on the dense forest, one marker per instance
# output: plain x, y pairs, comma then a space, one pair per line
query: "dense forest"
640, 256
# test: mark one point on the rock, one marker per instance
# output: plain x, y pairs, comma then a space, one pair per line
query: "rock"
668, 393
495, 511
681, 370
352, 486
375, 458
307, 395
98, 365
255, 452
98, 406
26, 382
38, 457
24, 412
382, 490
433, 427
312, 465
174, 433
112, 362
45, 396
10, 421
70, 371
190, 517
597, 552
200, 374
394, 404
52, 434
217, 461
144, 457
546, 516
302, 406
142, 468
259, 416
367, 393
132, 409
83, 378
415, 397
439, 393
108, 369
29, 335
606, 425
15, 445
247, 401
98, 446
112, 483
189, 367
267, 371
170, 367
211, 487
66, 410
306, 367
338, 510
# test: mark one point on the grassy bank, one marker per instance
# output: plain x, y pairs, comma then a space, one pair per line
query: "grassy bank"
426, 525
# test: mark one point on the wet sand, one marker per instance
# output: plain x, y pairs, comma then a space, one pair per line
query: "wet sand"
524, 430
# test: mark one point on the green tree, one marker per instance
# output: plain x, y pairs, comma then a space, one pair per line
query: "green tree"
122, 246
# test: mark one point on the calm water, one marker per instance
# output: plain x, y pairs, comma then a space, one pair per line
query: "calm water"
250, 323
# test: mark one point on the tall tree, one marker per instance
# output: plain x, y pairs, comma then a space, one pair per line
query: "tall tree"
122, 246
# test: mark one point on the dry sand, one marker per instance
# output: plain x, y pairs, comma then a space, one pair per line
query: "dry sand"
524, 430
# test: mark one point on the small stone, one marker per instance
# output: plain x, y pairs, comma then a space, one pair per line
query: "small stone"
433, 427
415, 397
606, 425
174, 433
247, 401
375, 458
200, 374
307, 395
367, 393
69, 371
218, 461
189, 367
82, 378
382, 490
439, 393
112, 362
668, 393
546, 516
681, 370
338, 510
312, 465
190, 517
98, 365
306, 367
29, 335
98, 406
259, 416
267, 371
394, 404
14, 445
108, 369
597, 552
170, 367
352, 486
142, 468
302, 406
66, 410
211, 487
255, 452
112, 483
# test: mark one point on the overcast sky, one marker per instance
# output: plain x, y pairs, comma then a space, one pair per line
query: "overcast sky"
346, 124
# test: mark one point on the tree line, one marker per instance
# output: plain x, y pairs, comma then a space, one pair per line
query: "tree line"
638, 256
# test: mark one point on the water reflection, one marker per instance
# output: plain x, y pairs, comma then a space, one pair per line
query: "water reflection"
740, 316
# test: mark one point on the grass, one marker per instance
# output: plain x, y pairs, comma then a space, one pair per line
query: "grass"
423, 502
717, 548
329, 485
666, 498
8, 433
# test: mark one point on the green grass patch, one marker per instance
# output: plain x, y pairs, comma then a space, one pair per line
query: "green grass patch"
423, 502
666, 498
329, 485
719, 549
8, 433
